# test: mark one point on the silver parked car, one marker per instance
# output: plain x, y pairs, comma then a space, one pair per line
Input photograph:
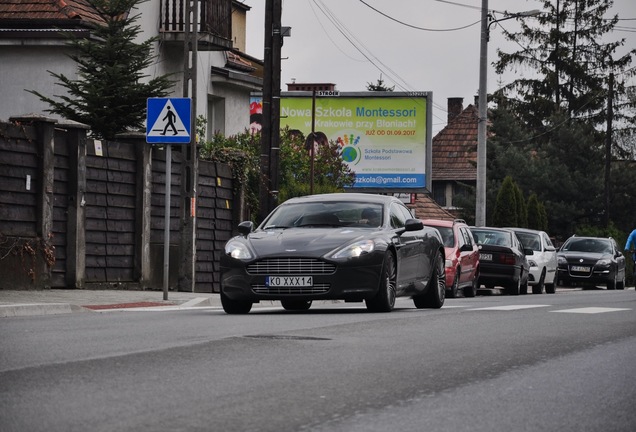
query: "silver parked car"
543, 261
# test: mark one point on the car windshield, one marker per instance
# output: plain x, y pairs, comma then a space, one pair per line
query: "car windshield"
325, 214
529, 240
487, 237
588, 245
447, 235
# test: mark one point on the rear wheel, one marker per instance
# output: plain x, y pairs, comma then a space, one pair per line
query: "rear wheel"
538, 288
471, 291
514, 287
436, 292
384, 300
296, 305
452, 293
235, 306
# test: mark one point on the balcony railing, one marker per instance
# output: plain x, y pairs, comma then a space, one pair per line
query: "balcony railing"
214, 23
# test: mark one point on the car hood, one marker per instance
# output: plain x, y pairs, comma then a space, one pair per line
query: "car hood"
308, 242
583, 257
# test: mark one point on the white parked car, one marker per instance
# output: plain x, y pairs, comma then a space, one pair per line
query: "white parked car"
543, 261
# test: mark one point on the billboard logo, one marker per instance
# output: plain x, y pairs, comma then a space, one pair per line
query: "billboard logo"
349, 152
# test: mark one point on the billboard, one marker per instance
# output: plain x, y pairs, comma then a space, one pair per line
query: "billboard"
385, 137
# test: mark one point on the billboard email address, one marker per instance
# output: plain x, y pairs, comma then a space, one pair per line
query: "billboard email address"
384, 180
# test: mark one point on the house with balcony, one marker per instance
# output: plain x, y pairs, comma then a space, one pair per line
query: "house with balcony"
32, 43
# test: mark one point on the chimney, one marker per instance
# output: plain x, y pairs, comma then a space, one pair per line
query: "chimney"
455, 107
477, 101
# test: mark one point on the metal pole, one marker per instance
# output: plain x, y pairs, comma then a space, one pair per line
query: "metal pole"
480, 206
166, 219
312, 142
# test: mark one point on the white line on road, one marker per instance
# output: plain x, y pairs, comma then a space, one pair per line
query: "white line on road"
591, 310
509, 307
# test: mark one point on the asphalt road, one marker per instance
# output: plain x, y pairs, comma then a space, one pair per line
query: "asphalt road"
563, 362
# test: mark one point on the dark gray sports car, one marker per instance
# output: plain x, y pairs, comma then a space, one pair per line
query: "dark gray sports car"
345, 246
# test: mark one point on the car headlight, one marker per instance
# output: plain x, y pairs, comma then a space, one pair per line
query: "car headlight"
354, 250
532, 263
603, 262
237, 250
562, 260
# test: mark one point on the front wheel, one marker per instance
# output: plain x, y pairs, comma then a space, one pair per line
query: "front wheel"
235, 307
384, 300
538, 288
436, 292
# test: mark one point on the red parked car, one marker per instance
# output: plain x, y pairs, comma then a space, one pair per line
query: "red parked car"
462, 256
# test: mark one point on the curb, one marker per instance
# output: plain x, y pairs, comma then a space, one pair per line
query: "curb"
15, 310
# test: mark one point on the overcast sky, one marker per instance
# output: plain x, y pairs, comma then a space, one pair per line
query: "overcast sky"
348, 43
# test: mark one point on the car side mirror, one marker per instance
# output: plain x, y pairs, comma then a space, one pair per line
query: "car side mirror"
550, 249
528, 251
245, 227
466, 248
413, 225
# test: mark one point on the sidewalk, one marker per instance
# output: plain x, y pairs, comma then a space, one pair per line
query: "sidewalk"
60, 301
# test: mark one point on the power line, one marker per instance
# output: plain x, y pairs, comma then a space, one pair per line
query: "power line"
416, 27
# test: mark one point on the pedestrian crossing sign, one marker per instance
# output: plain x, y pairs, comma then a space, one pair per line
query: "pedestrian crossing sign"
168, 120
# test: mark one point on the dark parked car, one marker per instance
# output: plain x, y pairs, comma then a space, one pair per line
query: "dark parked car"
462, 256
502, 259
591, 261
344, 246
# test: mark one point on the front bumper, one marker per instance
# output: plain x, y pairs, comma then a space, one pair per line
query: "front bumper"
351, 280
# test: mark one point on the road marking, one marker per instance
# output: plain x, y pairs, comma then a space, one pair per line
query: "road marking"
509, 307
591, 310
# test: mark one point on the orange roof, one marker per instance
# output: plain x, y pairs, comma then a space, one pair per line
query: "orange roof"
48, 10
455, 148
425, 207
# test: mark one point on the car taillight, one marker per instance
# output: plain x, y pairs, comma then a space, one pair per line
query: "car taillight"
507, 259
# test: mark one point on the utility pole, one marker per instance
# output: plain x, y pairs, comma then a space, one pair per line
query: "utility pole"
482, 122
608, 148
270, 131
190, 164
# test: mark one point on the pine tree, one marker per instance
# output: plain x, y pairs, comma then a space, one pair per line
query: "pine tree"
505, 213
111, 92
570, 61
522, 210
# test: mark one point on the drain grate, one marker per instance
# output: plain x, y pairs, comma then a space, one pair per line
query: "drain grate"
286, 337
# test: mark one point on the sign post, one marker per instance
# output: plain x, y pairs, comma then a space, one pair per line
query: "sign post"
168, 121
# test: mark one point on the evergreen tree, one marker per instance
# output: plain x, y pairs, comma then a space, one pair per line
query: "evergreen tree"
522, 210
570, 61
380, 86
505, 213
110, 94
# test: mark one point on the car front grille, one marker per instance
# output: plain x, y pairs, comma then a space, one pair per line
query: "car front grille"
315, 289
290, 266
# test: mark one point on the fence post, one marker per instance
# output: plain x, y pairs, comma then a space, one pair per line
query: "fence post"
76, 222
45, 128
143, 154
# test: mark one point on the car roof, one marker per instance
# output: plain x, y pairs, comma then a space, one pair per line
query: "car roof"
355, 197
527, 230
443, 222
506, 230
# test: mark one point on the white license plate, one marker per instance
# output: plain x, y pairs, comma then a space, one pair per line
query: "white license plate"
289, 281
580, 269
485, 257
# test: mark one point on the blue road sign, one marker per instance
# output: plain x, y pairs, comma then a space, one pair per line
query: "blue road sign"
168, 120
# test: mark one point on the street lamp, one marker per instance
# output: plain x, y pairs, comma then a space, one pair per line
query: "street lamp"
486, 22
